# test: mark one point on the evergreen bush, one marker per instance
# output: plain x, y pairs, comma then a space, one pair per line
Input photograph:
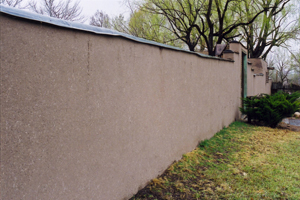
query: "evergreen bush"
270, 109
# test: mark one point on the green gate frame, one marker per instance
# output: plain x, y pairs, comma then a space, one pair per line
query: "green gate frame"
244, 75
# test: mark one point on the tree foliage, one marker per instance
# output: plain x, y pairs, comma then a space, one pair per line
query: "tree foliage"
273, 28
62, 9
201, 24
152, 27
145, 25
296, 60
100, 19
295, 64
120, 24
182, 17
211, 21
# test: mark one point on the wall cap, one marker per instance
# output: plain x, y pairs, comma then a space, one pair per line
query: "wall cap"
89, 28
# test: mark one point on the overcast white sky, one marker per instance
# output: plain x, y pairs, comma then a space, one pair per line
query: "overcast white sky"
89, 7
110, 7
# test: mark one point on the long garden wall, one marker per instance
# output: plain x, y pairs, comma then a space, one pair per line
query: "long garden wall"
91, 116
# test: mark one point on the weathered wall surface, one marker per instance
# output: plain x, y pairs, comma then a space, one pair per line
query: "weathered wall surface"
257, 77
85, 116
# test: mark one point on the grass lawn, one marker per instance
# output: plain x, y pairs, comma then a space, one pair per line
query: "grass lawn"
240, 162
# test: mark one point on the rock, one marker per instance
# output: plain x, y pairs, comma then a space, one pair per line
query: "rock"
285, 124
297, 114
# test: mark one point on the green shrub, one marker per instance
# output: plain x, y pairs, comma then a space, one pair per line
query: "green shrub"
270, 109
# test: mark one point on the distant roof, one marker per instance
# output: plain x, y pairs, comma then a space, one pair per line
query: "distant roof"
84, 27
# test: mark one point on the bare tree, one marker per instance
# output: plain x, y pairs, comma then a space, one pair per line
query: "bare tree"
272, 29
296, 60
100, 19
66, 10
211, 21
183, 18
12, 3
283, 70
283, 67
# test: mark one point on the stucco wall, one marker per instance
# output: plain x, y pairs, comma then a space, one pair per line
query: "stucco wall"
257, 84
86, 116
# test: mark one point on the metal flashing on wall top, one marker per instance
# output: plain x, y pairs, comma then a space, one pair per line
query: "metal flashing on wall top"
84, 27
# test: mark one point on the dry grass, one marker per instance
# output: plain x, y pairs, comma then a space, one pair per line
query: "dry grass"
239, 162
